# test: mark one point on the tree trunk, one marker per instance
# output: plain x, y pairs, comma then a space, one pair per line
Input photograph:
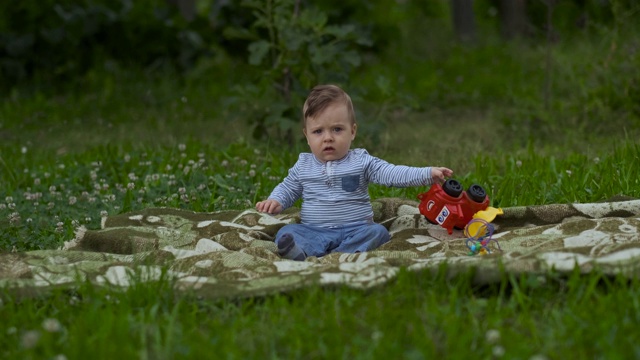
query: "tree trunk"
464, 23
513, 17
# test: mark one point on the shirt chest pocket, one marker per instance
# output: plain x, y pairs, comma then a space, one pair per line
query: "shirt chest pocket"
350, 183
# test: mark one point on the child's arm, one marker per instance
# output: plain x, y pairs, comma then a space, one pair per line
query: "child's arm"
438, 174
269, 206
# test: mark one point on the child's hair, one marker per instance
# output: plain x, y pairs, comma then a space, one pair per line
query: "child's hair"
321, 97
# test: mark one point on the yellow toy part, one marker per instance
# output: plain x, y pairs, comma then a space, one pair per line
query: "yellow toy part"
475, 228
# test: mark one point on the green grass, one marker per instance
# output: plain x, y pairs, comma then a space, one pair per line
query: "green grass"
123, 143
417, 316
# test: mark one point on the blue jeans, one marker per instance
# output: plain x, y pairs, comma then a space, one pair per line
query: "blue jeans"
319, 241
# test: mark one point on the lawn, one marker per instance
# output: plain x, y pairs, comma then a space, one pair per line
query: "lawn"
122, 143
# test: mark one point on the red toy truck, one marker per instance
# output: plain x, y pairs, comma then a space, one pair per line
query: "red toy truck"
451, 207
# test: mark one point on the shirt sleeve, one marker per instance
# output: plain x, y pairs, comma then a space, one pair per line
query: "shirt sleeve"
381, 172
290, 189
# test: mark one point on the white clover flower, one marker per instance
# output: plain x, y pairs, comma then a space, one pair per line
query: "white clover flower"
252, 173
182, 190
168, 167
36, 181
52, 188
104, 213
8, 199
518, 163
182, 147
51, 325
596, 160
23, 149
131, 186
72, 200
569, 172
87, 219
14, 218
75, 223
492, 336
224, 163
498, 351
30, 339
127, 158
538, 357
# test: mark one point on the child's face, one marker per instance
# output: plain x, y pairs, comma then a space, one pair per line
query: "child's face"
329, 134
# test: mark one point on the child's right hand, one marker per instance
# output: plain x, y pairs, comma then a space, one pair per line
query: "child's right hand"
438, 174
269, 206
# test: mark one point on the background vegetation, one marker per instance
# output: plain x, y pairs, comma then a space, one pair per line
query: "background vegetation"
110, 106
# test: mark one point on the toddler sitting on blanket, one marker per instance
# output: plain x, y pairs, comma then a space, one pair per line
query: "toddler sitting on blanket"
336, 214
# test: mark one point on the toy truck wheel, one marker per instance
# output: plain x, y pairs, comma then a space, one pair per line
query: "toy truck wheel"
452, 188
476, 193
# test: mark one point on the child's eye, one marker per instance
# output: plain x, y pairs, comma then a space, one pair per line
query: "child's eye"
318, 131
338, 129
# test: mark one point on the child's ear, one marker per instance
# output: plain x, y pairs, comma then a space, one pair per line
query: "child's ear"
354, 129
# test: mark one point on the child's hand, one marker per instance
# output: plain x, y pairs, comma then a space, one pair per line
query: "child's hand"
269, 206
438, 174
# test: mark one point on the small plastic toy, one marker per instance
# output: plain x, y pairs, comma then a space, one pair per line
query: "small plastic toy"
450, 207
487, 215
478, 241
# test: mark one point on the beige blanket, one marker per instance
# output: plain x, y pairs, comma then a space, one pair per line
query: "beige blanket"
232, 253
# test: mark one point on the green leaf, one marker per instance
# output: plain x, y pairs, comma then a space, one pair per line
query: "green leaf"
257, 51
234, 33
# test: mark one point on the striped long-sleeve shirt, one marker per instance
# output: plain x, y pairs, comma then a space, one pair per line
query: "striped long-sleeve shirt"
336, 192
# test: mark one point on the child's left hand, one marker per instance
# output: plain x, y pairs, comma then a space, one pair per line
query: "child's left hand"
438, 174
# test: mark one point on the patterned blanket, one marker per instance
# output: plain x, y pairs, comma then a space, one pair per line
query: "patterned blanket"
232, 253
